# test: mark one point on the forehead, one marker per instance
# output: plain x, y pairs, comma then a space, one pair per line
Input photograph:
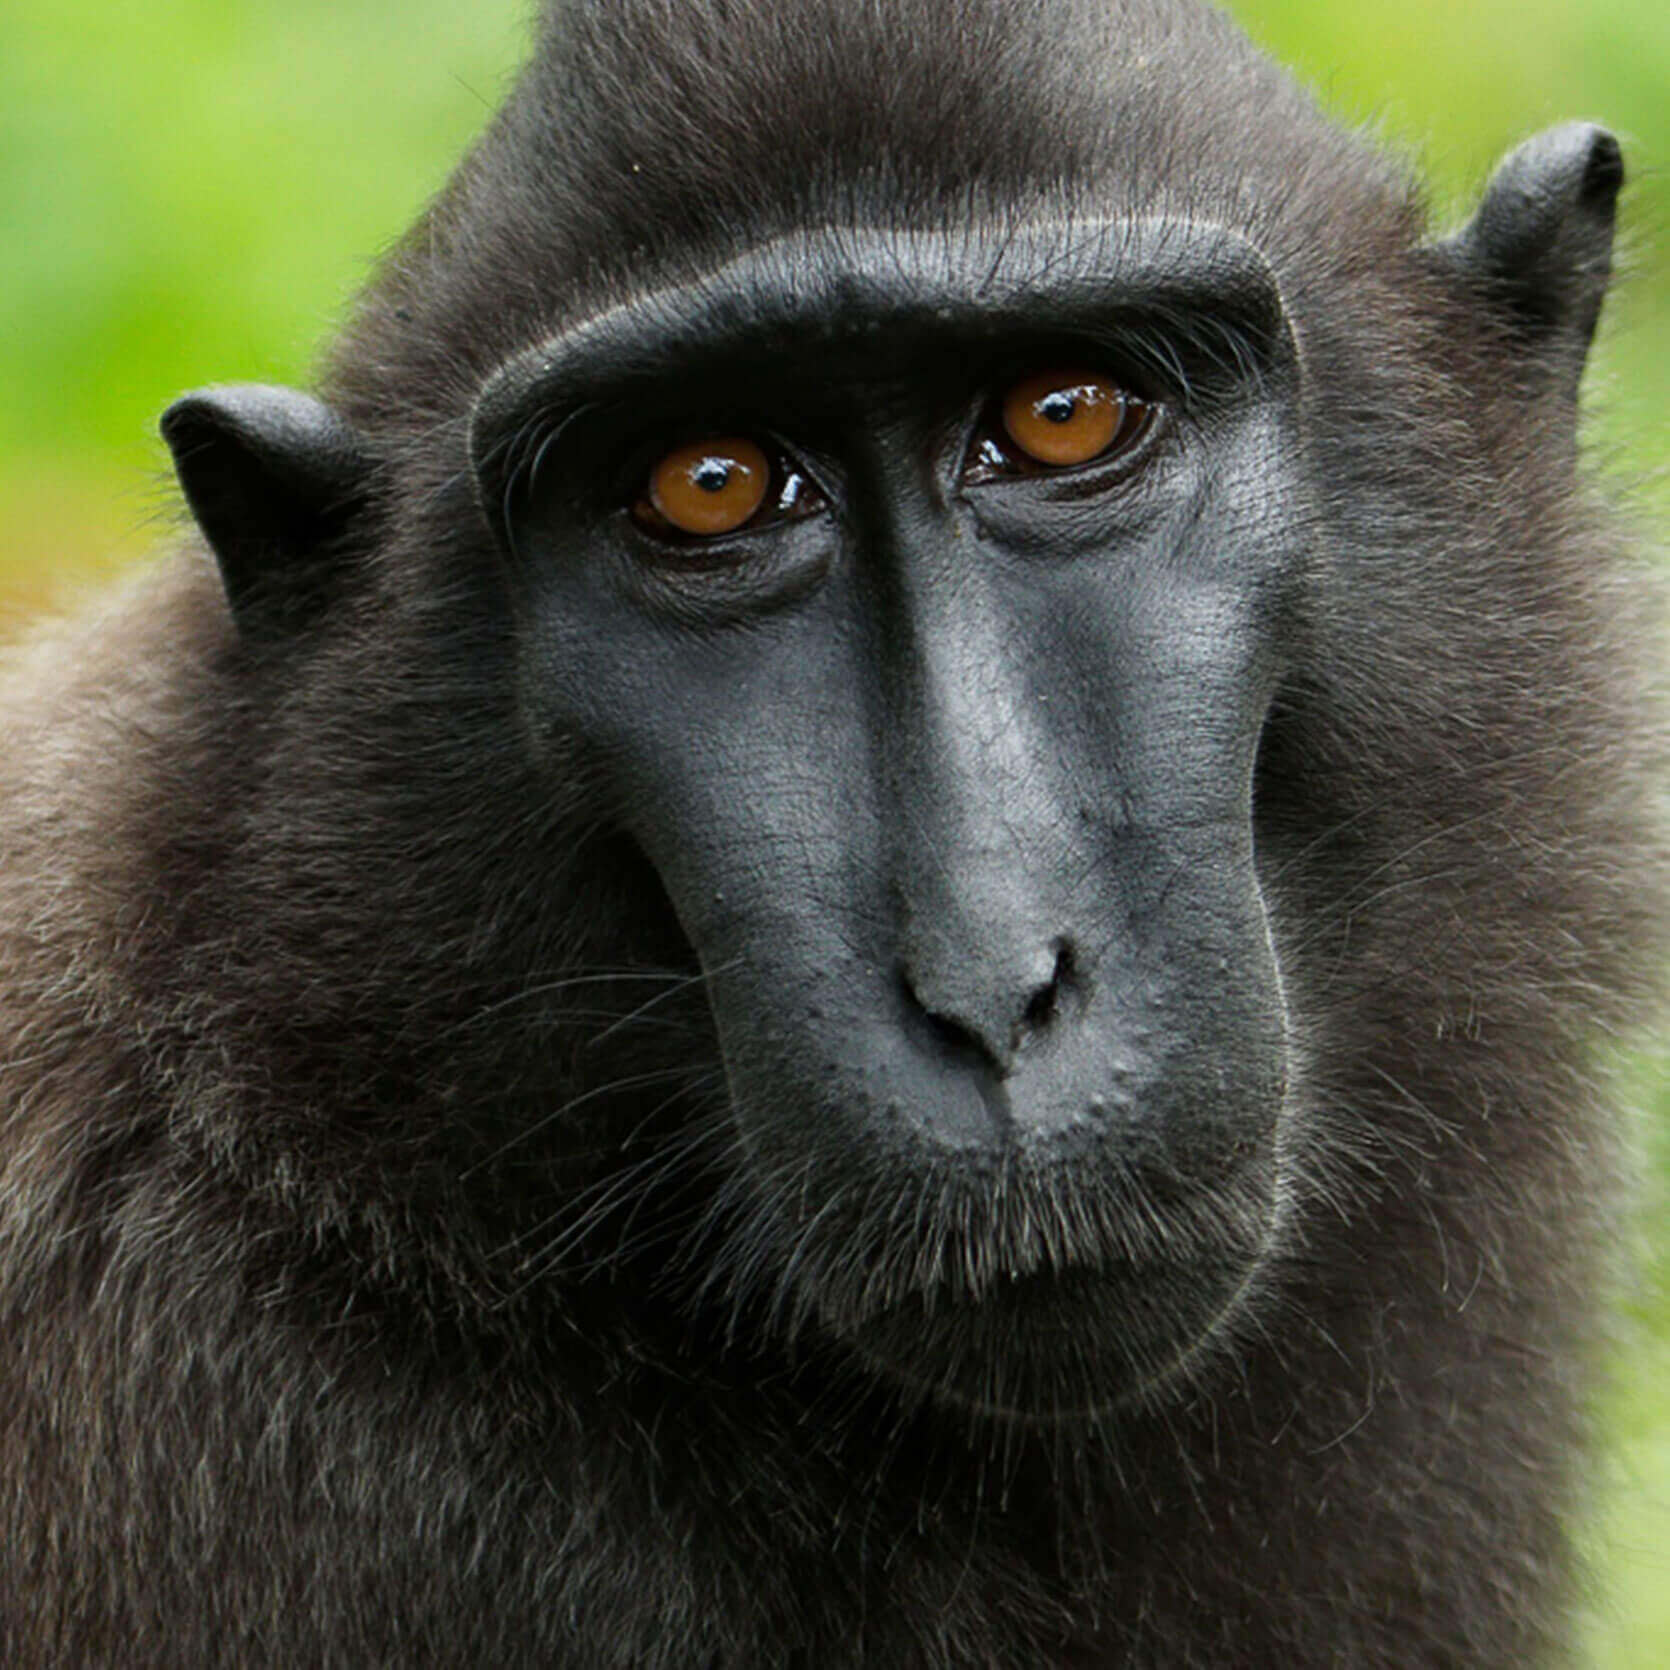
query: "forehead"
621, 193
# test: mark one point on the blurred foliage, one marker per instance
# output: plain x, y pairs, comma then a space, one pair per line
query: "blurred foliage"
190, 190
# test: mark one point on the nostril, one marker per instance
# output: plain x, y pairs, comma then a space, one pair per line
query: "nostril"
1045, 1003
1040, 1008
956, 1038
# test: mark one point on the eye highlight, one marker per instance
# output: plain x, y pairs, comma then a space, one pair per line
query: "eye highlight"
709, 487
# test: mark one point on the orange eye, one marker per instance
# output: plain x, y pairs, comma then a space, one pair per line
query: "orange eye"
710, 487
1063, 417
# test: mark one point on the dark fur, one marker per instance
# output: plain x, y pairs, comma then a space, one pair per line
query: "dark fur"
359, 1120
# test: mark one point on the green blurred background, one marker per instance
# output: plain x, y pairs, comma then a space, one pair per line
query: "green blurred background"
190, 190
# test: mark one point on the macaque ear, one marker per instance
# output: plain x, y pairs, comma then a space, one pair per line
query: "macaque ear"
1539, 249
275, 480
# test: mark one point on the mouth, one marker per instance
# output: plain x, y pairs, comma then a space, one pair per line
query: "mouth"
1039, 1297
1061, 1345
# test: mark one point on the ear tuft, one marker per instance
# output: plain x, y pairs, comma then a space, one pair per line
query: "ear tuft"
1539, 249
274, 479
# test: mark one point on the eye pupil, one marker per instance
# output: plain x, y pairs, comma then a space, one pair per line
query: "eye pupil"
712, 475
1058, 407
